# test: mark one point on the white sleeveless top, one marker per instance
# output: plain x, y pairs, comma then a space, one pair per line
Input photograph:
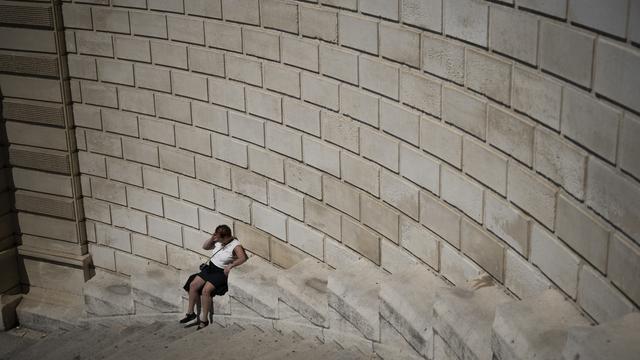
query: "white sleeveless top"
223, 255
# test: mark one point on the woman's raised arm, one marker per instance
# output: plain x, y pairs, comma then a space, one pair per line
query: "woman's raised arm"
208, 245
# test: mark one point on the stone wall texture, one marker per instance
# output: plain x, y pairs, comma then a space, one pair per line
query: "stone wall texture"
475, 137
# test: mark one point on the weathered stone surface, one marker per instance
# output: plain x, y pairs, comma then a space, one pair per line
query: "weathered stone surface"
304, 288
534, 328
522, 278
614, 340
154, 286
108, 294
254, 285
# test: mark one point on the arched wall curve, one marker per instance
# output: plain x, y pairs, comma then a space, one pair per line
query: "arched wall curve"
472, 136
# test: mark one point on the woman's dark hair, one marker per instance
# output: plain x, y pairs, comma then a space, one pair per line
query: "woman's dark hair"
223, 231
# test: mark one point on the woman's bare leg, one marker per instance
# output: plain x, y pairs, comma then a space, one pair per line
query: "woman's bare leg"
206, 300
194, 297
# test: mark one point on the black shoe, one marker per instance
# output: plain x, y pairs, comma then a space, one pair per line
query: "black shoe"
188, 318
202, 325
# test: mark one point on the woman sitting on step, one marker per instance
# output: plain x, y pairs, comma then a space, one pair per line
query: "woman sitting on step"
212, 278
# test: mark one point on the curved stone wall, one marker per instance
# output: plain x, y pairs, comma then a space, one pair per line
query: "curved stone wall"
473, 137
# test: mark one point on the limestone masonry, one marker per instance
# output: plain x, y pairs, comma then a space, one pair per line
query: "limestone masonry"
455, 163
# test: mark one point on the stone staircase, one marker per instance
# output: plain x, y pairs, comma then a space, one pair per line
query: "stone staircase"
313, 311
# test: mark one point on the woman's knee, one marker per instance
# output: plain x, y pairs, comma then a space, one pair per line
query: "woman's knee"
207, 290
196, 284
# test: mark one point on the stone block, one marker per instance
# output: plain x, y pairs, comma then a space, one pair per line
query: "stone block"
169, 54
522, 278
246, 128
109, 191
284, 256
145, 200
300, 53
537, 97
280, 15
183, 29
464, 318
242, 11
65, 281
264, 104
94, 94
338, 63
301, 117
40, 159
379, 77
420, 92
464, 111
229, 150
303, 178
42, 182
249, 184
521, 330
358, 33
110, 20
591, 123
467, 20
223, 36
443, 58
400, 194
322, 218
288, 201
600, 298
158, 131
304, 288
253, 240
167, 5
614, 340
82, 67
507, 223
514, 33
360, 173
77, 16
108, 294
226, 93
92, 43
206, 61
282, 79
129, 219
380, 217
457, 268
359, 105
634, 23
180, 212
148, 24
489, 75
113, 237
210, 9
582, 231
193, 139
614, 77
177, 161
30, 39
262, 44
623, 266
426, 14
382, 8
462, 193
440, 218
319, 23
154, 286
139, 101
341, 196
214, 172
420, 242
566, 52
233, 205
485, 250
120, 122
210, 220
486, 165
379, 148
532, 194
284, 141
420, 168
400, 44
47, 205
511, 134
209, 117
399, 122
132, 49
306, 239
165, 230
441, 141
320, 91
153, 78
266, 163
42, 136
612, 196
555, 260
187, 85
321, 156
340, 131
103, 257
549, 7
395, 259
121, 170
160, 181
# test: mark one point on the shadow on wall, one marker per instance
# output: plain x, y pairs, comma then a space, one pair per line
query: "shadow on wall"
9, 264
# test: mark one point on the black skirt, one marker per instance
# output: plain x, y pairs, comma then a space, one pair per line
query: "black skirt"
211, 274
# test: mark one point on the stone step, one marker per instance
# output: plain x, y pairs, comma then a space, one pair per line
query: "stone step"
170, 332
392, 345
44, 346
119, 348
254, 285
534, 328
618, 339
463, 317
49, 310
406, 302
157, 288
102, 341
108, 294
293, 351
304, 288
353, 293
246, 344
321, 352
72, 347
15, 341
